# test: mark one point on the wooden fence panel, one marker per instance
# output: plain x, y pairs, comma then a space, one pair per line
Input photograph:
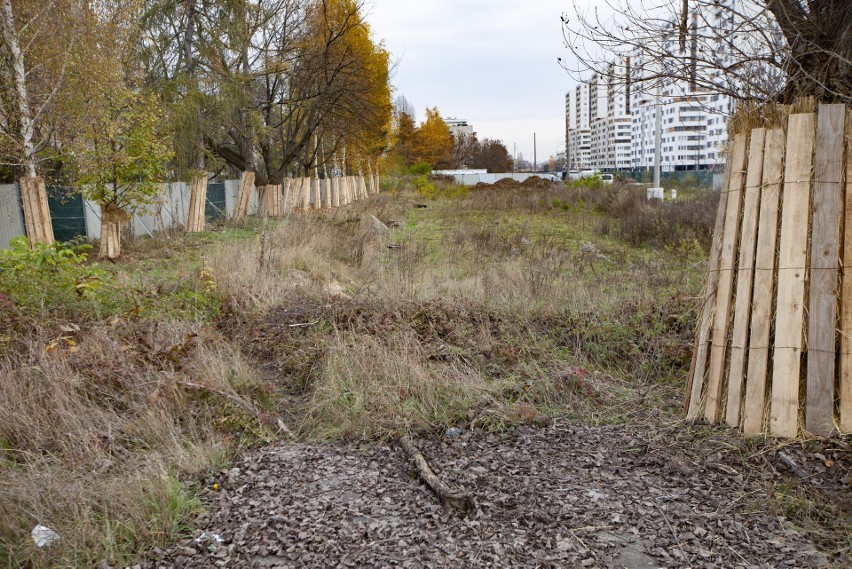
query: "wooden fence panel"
783, 419
745, 276
825, 253
764, 285
721, 318
846, 296
705, 325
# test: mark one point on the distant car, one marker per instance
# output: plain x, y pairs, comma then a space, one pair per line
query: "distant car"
607, 178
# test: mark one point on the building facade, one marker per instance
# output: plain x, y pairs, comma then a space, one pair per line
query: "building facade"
620, 108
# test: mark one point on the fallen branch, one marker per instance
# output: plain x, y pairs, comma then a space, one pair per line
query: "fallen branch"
453, 498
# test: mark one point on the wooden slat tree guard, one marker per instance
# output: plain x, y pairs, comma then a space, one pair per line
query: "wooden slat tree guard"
768, 288
241, 210
36, 212
195, 219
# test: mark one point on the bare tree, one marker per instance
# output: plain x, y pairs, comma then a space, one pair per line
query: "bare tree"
748, 49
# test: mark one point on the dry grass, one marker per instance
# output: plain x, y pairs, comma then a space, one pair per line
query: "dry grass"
96, 434
491, 309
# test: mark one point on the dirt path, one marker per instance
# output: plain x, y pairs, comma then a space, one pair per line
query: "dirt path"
560, 496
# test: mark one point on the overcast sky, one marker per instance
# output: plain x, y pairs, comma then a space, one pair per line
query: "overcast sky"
492, 62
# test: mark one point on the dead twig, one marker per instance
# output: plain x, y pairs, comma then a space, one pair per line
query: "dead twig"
671, 529
453, 498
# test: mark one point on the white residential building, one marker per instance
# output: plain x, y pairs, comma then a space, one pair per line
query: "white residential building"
459, 126
694, 120
578, 142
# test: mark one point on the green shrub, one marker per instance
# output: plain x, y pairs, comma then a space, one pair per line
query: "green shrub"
42, 275
421, 169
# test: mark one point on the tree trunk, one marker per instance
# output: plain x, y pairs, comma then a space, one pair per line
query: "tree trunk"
10, 35
36, 212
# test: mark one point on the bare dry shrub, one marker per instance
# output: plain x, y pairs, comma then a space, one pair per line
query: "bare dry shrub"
95, 434
369, 388
300, 255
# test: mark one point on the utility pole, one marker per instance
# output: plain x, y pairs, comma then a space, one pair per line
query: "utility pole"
658, 148
535, 158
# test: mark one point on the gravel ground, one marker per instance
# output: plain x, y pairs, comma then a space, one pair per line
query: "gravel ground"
560, 496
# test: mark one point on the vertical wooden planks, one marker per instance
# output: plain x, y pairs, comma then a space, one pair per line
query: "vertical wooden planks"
244, 196
825, 253
36, 212
705, 326
197, 201
721, 318
783, 418
764, 282
306, 193
846, 296
745, 276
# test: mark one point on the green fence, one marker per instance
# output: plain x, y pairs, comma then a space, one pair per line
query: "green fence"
214, 209
67, 213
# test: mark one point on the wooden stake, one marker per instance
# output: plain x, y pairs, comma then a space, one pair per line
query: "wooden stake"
702, 340
846, 296
792, 274
764, 284
721, 318
825, 253
745, 276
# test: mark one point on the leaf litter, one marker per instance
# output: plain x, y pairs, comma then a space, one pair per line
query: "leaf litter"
559, 496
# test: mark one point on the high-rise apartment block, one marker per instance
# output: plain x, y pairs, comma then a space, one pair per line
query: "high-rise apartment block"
611, 117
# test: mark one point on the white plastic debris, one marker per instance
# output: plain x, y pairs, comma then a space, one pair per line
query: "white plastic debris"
44, 536
209, 537
595, 495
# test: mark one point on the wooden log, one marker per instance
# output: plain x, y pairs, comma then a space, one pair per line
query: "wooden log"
825, 254
692, 403
244, 196
453, 498
764, 285
745, 277
792, 274
721, 317
845, 390
36, 211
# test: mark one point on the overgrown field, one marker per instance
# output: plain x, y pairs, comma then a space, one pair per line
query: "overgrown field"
486, 307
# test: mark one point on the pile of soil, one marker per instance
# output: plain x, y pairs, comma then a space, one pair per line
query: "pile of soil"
537, 183
561, 496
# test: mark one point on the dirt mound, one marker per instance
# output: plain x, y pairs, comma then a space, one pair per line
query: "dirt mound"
562, 496
535, 182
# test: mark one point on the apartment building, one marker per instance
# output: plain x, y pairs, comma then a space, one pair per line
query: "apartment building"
622, 105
